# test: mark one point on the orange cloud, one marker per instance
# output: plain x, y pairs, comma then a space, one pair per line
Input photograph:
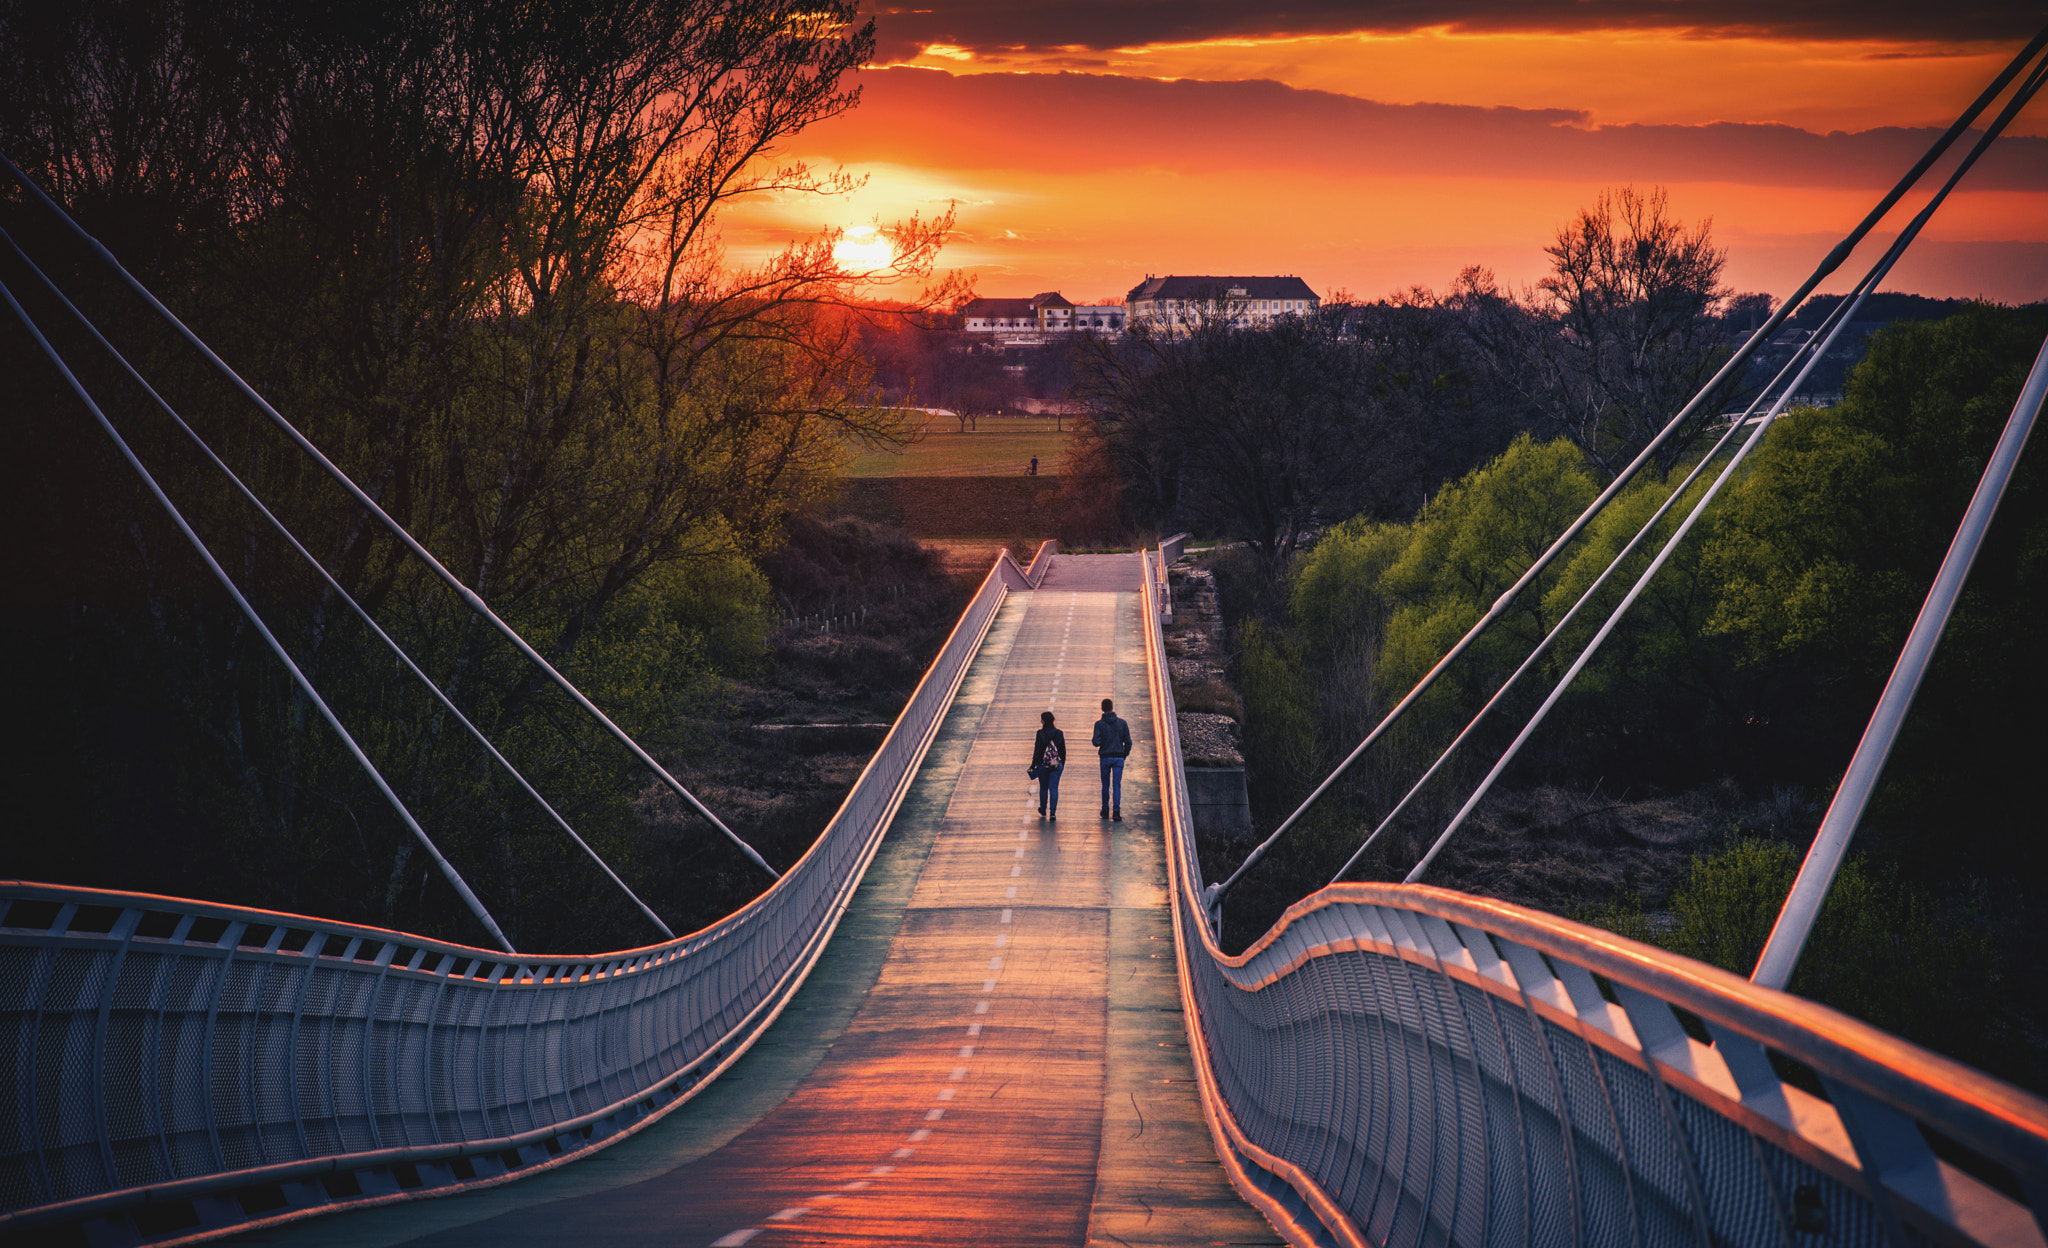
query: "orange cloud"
1609, 75
1082, 121
1086, 182
1080, 28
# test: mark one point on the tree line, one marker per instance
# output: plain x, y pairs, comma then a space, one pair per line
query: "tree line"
1264, 434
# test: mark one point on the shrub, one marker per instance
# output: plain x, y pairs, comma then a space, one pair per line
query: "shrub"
1211, 697
1882, 949
1279, 727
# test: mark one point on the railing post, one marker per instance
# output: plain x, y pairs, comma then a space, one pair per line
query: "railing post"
1893, 1155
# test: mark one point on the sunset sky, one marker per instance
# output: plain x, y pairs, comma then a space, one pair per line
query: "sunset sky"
1369, 148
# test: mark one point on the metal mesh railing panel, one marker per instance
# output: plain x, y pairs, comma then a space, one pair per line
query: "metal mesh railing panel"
1405, 1065
150, 1053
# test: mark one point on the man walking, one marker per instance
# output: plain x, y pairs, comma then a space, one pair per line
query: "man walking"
1113, 742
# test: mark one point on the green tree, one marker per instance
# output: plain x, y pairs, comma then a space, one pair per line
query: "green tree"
1881, 949
1470, 543
1373, 606
1825, 551
472, 251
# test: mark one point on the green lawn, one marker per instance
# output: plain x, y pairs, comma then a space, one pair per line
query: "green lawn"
1001, 447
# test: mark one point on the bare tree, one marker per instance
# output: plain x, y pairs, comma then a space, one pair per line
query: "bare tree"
1260, 433
1619, 336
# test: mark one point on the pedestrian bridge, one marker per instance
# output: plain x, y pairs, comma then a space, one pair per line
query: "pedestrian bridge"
954, 1023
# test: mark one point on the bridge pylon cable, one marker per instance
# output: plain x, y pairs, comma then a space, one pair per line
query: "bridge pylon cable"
1213, 895
468, 596
357, 608
1804, 358
448, 871
1817, 872
1862, 291
1585, 598
1809, 889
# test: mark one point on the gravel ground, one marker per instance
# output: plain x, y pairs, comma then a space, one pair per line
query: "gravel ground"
1209, 740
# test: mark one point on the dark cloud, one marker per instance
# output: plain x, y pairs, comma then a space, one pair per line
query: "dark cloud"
1090, 123
991, 25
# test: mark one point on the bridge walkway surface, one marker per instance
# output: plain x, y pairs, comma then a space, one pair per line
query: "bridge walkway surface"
991, 1051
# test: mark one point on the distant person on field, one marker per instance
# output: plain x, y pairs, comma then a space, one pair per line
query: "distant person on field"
1113, 742
1049, 756
1032, 471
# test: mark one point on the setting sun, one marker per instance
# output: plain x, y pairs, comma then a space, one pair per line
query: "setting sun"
863, 249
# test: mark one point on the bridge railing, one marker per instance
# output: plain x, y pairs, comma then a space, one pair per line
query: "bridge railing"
1396, 1064
1041, 562
179, 1070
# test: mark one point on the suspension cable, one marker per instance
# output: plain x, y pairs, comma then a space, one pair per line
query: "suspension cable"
1798, 360
1671, 544
1214, 893
1614, 565
250, 496
467, 595
448, 870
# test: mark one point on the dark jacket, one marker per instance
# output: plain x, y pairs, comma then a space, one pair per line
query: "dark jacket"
1112, 736
1058, 739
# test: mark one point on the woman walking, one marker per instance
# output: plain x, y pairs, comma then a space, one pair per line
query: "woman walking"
1048, 760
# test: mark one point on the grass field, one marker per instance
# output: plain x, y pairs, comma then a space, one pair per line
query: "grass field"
1012, 507
1001, 447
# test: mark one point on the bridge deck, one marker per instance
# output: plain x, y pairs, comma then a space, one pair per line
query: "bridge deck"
992, 1051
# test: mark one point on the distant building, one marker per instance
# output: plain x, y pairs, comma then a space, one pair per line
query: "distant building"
1099, 318
1000, 316
1175, 302
1048, 312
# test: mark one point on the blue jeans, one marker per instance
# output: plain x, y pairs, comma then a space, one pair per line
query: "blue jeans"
1049, 790
1113, 782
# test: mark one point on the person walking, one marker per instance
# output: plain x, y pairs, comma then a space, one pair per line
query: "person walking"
1112, 742
1048, 760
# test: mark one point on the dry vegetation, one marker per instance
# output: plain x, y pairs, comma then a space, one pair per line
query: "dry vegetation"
1568, 851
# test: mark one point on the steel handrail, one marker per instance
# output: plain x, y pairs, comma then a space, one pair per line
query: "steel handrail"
1358, 986
1041, 562
636, 1032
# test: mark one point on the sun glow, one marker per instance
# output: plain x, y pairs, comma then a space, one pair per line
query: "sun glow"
863, 249
1094, 179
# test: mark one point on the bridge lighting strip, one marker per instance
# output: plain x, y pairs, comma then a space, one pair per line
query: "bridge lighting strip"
557, 1144
1861, 1137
